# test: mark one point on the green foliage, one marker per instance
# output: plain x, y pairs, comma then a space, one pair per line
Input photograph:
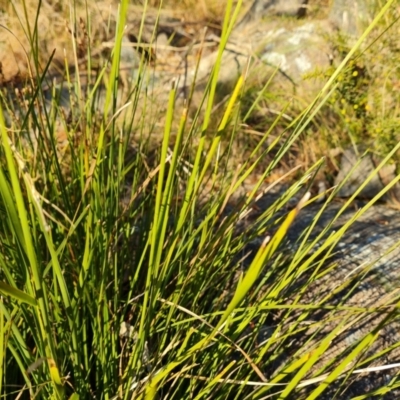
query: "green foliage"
121, 278
366, 98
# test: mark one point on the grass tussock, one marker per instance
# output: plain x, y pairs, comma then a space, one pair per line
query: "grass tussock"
127, 268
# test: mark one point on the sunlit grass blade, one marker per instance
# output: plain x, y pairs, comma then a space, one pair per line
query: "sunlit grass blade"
17, 294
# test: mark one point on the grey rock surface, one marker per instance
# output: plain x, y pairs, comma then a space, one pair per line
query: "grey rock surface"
351, 16
365, 274
296, 49
362, 273
265, 8
355, 167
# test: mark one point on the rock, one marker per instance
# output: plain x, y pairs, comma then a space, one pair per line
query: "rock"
263, 8
351, 16
295, 52
361, 273
129, 60
365, 167
129, 56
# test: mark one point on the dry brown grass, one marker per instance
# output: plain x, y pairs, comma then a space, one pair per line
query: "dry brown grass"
95, 22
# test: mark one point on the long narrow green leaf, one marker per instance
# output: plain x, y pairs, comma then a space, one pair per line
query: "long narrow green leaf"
17, 294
